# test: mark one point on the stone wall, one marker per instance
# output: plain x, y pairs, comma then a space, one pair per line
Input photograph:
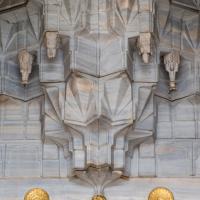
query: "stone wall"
111, 84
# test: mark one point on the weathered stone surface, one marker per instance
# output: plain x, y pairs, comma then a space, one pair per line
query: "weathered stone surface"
20, 120
96, 103
173, 122
174, 158
30, 166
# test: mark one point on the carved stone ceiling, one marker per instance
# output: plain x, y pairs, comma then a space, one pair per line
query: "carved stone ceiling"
193, 4
10, 4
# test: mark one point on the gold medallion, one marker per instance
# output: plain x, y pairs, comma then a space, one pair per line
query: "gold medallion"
98, 197
161, 193
36, 194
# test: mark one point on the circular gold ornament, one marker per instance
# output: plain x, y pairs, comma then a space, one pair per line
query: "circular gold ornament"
36, 194
161, 193
98, 197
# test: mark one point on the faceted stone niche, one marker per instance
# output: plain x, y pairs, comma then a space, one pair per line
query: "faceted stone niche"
11, 4
193, 4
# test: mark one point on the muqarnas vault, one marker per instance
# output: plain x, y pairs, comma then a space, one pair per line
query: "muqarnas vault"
91, 113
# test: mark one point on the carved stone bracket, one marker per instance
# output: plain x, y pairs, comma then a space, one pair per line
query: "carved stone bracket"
51, 41
25, 61
98, 178
172, 61
144, 46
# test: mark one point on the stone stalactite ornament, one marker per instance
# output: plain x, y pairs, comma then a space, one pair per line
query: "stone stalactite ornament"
36, 194
25, 61
144, 46
172, 61
51, 41
161, 193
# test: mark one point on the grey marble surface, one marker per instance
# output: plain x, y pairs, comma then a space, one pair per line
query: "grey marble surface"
103, 99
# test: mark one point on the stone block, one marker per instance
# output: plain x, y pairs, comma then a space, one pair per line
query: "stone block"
119, 162
163, 110
79, 159
147, 167
184, 129
145, 19
198, 131
21, 116
50, 168
174, 158
34, 130
164, 130
52, 18
23, 160
196, 158
147, 149
134, 170
147, 72
50, 152
65, 165
2, 160
111, 54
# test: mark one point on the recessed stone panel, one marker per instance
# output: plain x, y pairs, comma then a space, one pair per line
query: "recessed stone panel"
50, 168
20, 120
147, 167
196, 158
184, 129
174, 158
147, 149
23, 160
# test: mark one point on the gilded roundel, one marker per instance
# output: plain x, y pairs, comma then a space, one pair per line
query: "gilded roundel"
36, 194
98, 197
161, 194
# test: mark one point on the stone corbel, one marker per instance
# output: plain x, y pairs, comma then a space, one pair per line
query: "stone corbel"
25, 62
144, 46
51, 42
172, 61
98, 178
